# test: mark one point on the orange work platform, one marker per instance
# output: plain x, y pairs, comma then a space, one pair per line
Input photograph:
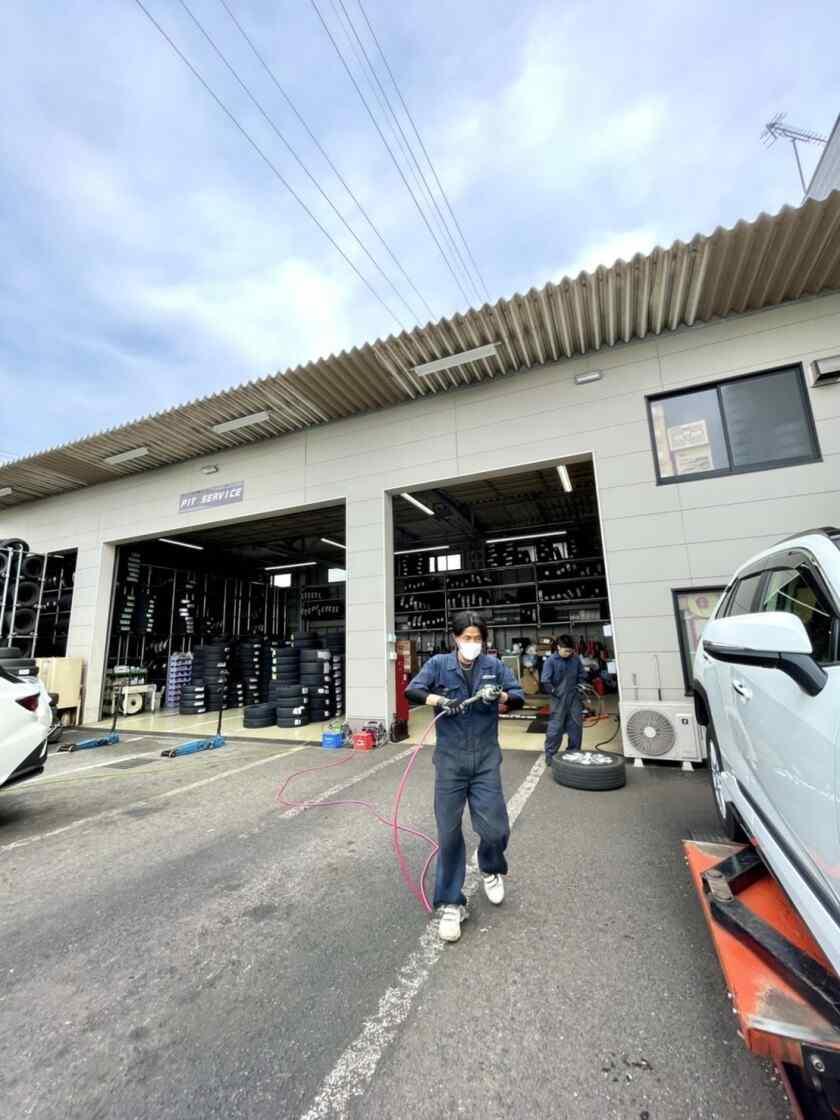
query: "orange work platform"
775, 1020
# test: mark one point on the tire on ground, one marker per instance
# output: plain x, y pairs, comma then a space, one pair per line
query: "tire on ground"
580, 770
728, 820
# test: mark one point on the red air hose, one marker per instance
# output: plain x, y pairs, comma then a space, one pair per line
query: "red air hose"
417, 889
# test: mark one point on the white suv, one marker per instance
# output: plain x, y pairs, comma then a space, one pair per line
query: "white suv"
767, 690
25, 721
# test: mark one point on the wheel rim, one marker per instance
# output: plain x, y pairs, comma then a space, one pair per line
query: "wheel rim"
717, 777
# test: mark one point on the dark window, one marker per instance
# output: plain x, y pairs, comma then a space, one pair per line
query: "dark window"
693, 608
742, 598
745, 424
794, 591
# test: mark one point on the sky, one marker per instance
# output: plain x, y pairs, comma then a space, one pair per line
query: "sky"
150, 256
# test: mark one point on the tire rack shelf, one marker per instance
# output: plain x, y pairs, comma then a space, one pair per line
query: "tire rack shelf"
10, 582
448, 583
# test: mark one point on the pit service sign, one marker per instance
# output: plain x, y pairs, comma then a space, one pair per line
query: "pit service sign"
224, 495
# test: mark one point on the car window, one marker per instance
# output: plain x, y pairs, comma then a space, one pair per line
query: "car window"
742, 597
791, 590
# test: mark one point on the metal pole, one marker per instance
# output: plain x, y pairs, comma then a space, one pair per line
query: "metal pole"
799, 166
14, 600
9, 553
40, 601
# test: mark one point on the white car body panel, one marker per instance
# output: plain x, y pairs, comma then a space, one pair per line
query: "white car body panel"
780, 745
22, 732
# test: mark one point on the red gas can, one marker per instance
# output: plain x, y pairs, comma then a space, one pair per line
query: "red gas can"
363, 741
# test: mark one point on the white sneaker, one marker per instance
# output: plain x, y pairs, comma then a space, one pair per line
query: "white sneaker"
494, 888
451, 918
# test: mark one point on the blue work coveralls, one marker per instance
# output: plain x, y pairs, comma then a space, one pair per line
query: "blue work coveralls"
468, 763
560, 679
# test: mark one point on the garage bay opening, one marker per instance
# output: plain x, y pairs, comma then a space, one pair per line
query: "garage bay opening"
523, 549
245, 616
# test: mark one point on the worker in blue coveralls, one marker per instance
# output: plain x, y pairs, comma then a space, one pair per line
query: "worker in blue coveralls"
563, 674
468, 763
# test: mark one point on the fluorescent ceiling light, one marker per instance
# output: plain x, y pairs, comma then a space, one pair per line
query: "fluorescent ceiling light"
565, 481
414, 502
285, 567
454, 360
240, 422
585, 378
408, 551
181, 544
527, 537
127, 456
326, 540
211, 468
5, 491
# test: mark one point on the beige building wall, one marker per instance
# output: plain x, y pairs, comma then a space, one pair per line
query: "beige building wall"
656, 537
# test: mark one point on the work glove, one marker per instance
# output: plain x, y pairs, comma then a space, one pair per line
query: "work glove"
451, 707
490, 693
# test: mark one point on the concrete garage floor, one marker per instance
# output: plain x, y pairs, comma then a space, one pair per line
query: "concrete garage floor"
174, 946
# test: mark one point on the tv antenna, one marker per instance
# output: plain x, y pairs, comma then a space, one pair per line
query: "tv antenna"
776, 129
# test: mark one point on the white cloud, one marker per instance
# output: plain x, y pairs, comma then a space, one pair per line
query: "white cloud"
607, 250
272, 318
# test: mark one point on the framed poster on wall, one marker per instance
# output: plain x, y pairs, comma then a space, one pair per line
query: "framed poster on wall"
693, 607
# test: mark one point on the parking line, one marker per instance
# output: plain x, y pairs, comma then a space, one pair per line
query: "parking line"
355, 1068
147, 800
53, 774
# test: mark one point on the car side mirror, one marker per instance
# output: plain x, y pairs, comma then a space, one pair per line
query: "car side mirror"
772, 640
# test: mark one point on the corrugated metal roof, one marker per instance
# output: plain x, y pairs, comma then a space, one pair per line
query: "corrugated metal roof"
826, 177
751, 266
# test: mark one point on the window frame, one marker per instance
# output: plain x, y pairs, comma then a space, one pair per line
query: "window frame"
793, 558
723, 472
686, 657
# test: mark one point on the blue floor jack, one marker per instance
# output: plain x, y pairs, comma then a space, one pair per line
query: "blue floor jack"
195, 745
103, 740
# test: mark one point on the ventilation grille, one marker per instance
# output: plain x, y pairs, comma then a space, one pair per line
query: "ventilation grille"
651, 732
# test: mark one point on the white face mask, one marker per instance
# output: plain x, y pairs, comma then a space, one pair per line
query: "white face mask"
469, 650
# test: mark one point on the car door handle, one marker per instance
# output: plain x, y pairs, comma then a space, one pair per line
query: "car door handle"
742, 690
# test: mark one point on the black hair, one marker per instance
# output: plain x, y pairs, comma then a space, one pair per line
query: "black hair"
566, 641
465, 619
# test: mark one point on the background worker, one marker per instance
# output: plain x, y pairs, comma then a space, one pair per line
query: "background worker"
563, 674
468, 763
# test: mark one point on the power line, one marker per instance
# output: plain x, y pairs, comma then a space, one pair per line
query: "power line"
298, 160
379, 99
376, 125
423, 147
326, 156
412, 157
275, 170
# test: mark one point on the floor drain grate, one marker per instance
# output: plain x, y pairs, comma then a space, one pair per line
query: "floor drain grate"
129, 763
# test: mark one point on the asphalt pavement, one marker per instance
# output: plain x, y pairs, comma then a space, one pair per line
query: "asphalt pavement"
176, 944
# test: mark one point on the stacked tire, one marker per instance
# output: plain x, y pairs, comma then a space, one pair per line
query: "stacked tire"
13, 660
292, 704
210, 670
247, 663
234, 694
334, 642
287, 662
193, 700
273, 652
337, 684
259, 715
316, 678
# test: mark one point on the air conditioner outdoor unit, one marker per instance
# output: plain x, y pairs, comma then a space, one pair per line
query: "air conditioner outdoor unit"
665, 730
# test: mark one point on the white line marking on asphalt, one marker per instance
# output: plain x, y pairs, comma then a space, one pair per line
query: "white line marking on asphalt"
53, 774
346, 785
147, 800
354, 1070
